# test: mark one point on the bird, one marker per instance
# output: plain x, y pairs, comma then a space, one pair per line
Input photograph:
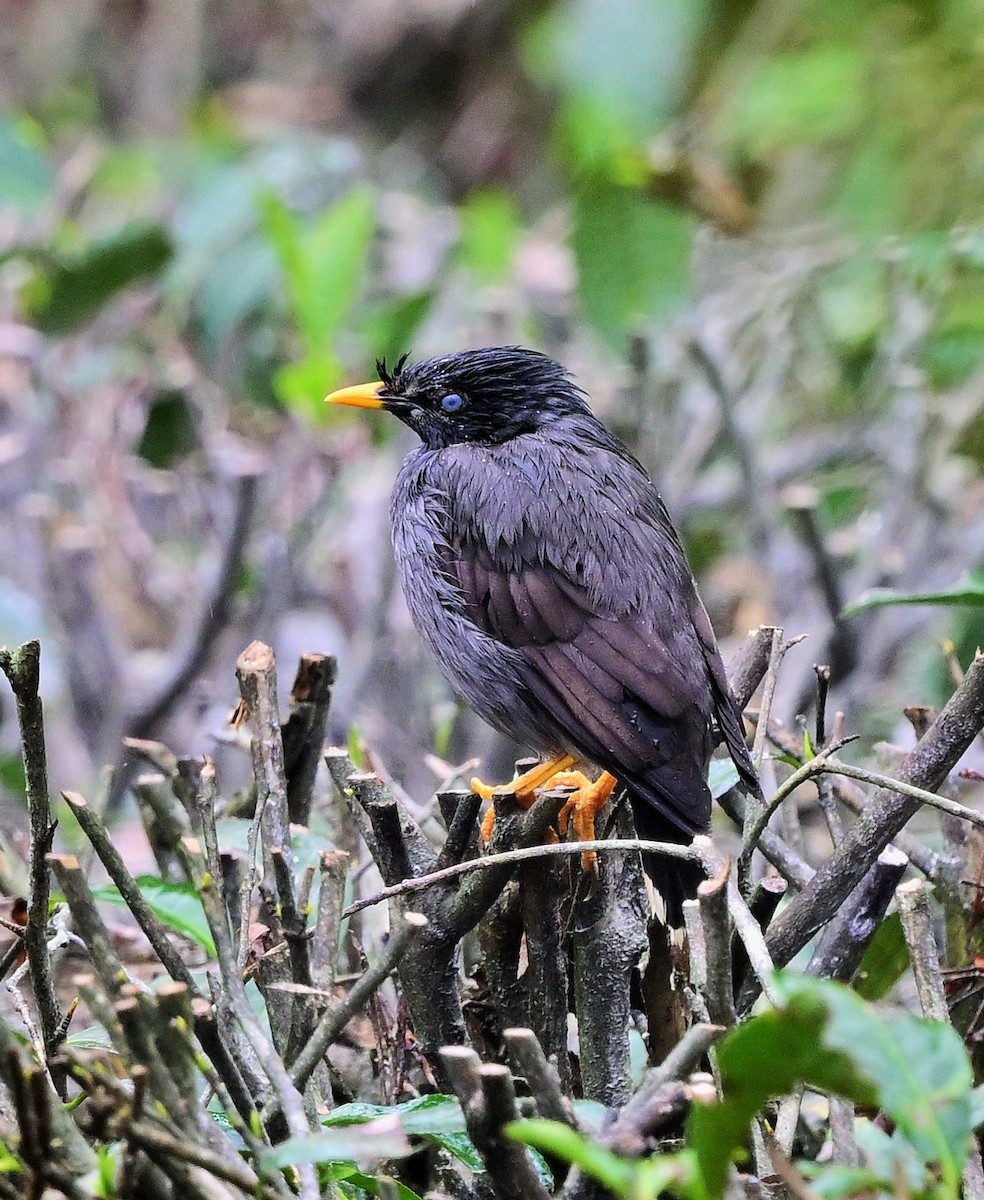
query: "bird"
541, 567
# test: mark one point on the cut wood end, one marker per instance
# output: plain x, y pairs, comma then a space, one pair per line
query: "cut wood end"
256, 657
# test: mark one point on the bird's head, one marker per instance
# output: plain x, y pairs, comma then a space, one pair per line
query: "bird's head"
485, 396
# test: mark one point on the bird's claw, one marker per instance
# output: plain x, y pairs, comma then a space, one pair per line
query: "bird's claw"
581, 808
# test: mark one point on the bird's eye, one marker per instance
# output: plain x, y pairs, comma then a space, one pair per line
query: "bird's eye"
451, 402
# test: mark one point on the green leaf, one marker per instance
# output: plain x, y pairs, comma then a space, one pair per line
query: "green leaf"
768, 1056
558, 1139
490, 229
951, 356
970, 590
803, 97
372, 1185
94, 1037
303, 385
175, 904
26, 176
633, 257
890, 1156
422, 1115
853, 304
366, 1143
631, 56
919, 1067
437, 1118
884, 961
69, 289
830, 1181
389, 330
323, 263
12, 775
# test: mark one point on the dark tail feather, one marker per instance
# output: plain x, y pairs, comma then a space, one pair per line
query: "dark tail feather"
675, 879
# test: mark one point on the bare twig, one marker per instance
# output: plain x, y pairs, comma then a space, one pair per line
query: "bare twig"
510, 857
98, 835
215, 616
926, 766
304, 731
747, 669
922, 795
712, 896
917, 925
289, 1099
23, 670
324, 943
847, 934
754, 828
542, 1077
335, 1019
488, 1102
89, 924
256, 671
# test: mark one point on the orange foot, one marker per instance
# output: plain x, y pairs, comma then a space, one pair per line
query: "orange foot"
582, 806
523, 788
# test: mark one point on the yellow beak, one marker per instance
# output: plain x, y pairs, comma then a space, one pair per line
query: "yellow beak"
363, 395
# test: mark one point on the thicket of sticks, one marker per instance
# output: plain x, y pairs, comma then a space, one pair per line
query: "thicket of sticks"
467, 986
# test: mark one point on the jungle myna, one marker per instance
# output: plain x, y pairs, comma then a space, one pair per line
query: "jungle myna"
541, 567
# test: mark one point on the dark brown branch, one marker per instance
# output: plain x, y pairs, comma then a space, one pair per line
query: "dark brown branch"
747, 669
848, 933
540, 894
462, 837
304, 731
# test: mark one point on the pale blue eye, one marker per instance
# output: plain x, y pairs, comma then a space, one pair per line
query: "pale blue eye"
451, 402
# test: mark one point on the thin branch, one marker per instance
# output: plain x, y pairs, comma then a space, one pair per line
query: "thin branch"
849, 931
528, 1060
801, 775
216, 613
917, 925
926, 766
932, 799
210, 891
304, 730
712, 896
23, 670
99, 837
335, 1019
748, 667
508, 857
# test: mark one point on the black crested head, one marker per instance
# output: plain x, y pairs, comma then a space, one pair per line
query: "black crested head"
485, 396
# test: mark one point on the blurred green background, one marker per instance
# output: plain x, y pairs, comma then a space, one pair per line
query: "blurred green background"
754, 229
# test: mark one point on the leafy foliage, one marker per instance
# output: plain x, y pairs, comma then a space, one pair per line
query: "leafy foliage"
824, 1036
